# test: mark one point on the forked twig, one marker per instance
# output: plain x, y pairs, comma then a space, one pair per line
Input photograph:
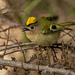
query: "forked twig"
69, 35
24, 60
6, 43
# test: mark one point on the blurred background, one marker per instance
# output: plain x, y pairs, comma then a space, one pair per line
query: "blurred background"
65, 9
18, 11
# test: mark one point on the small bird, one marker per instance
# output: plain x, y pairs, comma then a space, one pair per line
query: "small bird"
43, 31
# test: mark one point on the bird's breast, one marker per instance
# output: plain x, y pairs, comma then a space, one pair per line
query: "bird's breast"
43, 39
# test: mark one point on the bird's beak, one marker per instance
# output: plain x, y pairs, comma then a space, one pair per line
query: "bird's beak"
25, 29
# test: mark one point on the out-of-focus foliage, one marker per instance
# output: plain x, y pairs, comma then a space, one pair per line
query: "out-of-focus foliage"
42, 7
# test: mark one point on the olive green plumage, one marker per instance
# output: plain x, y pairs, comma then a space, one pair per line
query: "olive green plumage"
43, 30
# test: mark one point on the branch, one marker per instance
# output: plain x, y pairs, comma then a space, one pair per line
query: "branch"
6, 39
15, 45
17, 50
34, 67
8, 21
34, 47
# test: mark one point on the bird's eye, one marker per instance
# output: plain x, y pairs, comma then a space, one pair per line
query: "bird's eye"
32, 27
53, 27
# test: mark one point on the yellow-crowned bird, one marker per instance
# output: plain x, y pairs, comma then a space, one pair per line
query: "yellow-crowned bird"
43, 31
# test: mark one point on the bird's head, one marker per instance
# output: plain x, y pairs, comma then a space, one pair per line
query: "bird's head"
45, 25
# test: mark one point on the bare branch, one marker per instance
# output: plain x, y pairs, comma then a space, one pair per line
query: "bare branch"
15, 45
69, 35
8, 21
24, 58
16, 50
7, 42
6, 39
11, 27
35, 67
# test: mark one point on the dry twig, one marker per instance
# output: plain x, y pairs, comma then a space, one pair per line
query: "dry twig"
35, 67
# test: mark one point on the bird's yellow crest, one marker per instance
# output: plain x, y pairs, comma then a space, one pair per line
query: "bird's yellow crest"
30, 20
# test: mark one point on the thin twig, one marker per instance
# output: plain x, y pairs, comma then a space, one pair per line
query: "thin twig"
15, 45
70, 39
11, 27
3, 31
39, 49
4, 9
31, 59
69, 35
17, 50
47, 48
24, 58
6, 43
31, 44
64, 35
6, 39
54, 55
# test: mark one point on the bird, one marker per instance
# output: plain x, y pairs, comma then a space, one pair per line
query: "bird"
43, 30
